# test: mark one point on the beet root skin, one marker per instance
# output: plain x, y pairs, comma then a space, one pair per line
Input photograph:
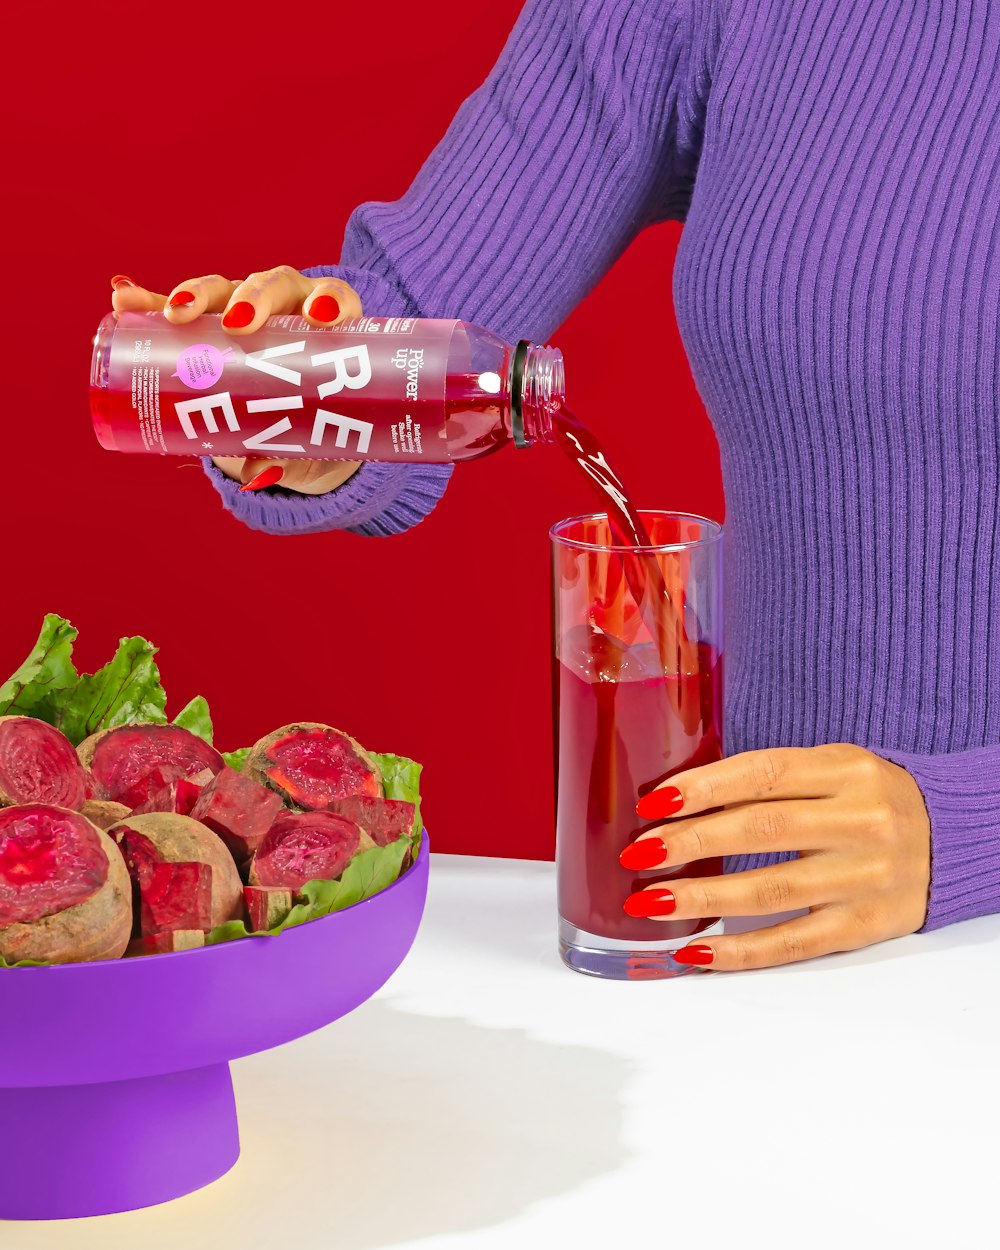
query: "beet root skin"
239, 809
306, 846
166, 943
267, 906
312, 765
175, 896
97, 927
385, 820
39, 765
132, 761
179, 839
103, 812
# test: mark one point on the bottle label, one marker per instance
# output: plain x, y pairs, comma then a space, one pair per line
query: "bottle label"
372, 388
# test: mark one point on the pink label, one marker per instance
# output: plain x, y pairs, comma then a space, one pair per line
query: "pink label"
372, 388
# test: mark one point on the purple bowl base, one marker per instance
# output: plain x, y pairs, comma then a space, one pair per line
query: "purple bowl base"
88, 1149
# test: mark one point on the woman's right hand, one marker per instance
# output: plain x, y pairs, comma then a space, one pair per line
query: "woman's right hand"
245, 306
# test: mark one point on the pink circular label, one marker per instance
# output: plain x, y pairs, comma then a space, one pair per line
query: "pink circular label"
201, 365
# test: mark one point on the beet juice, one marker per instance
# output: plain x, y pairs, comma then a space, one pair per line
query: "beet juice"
374, 388
638, 689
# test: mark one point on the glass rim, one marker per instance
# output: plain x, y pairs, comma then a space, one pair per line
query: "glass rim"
714, 535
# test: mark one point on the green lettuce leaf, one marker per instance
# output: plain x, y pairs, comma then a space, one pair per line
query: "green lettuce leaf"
34, 689
401, 780
196, 718
125, 690
236, 759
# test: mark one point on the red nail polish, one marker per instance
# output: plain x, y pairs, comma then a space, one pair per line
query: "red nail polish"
240, 315
182, 297
663, 802
266, 477
698, 955
324, 308
650, 903
645, 853
120, 280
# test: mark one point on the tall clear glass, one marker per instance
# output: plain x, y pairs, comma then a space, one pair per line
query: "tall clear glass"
638, 693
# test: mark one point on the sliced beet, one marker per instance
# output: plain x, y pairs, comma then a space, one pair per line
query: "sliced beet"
166, 943
50, 859
239, 809
175, 896
133, 761
156, 836
267, 906
306, 846
38, 765
179, 795
312, 766
386, 820
64, 889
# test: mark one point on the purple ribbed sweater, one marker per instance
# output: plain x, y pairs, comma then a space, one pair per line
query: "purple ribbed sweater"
837, 164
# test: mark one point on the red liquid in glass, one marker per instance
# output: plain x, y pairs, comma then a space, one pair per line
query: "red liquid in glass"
624, 726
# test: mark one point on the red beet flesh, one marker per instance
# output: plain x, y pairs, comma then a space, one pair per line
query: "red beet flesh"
267, 906
239, 809
134, 761
175, 896
179, 795
385, 820
50, 859
305, 846
38, 765
316, 766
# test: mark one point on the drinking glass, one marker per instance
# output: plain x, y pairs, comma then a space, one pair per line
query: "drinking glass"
638, 697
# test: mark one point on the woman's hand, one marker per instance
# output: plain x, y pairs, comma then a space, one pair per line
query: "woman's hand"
245, 307
858, 822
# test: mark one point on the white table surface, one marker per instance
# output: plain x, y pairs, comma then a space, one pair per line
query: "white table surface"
487, 1097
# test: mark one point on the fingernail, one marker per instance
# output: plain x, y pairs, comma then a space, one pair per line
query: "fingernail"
663, 802
324, 308
698, 955
120, 280
182, 297
650, 903
266, 477
240, 315
644, 853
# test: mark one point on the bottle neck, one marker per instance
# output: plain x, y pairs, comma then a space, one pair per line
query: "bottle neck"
537, 392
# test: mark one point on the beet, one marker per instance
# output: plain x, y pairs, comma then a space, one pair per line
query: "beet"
179, 795
386, 820
166, 943
165, 836
313, 765
103, 813
64, 889
175, 896
306, 846
133, 761
38, 765
239, 809
267, 906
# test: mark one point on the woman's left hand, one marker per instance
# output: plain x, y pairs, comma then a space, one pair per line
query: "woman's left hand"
858, 822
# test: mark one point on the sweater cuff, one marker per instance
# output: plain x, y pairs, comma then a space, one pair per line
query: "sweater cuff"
379, 500
962, 795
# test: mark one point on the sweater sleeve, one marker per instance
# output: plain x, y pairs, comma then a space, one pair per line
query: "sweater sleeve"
961, 792
587, 130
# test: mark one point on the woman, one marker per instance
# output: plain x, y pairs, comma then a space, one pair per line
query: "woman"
837, 164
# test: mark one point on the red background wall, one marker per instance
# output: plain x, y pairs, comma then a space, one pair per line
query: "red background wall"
185, 139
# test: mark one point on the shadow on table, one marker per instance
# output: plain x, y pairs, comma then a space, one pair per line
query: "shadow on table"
420, 1125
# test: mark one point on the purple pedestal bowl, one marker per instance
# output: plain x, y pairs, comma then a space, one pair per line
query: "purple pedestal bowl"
115, 1090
